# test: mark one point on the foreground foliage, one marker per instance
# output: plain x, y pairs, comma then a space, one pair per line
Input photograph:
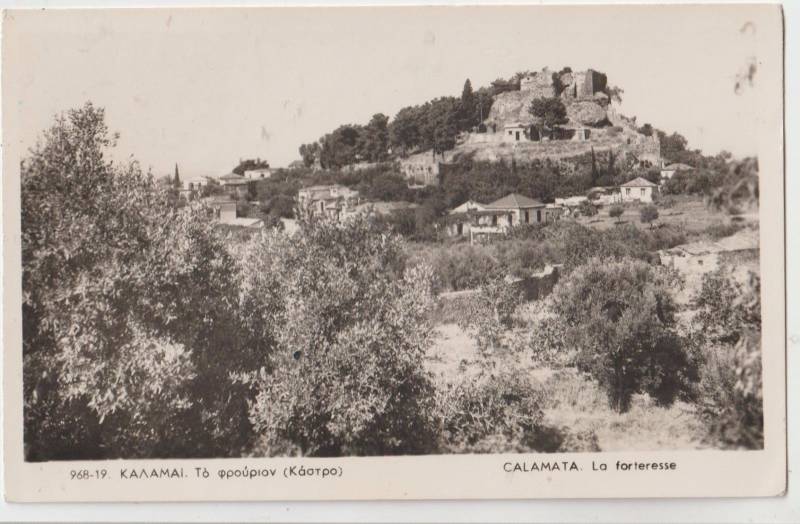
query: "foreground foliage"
129, 310
729, 326
350, 327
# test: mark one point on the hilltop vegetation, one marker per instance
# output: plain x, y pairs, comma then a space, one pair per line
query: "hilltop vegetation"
433, 125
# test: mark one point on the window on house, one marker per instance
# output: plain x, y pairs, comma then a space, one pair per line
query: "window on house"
628, 191
460, 229
494, 220
538, 215
527, 217
642, 190
509, 220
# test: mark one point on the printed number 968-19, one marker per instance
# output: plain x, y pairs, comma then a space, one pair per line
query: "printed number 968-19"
85, 474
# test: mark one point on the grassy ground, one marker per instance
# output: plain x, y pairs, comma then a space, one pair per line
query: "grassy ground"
574, 402
687, 212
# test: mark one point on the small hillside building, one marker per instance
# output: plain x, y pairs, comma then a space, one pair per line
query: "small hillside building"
332, 201
515, 132
637, 190
191, 188
224, 210
235, 185
668, 171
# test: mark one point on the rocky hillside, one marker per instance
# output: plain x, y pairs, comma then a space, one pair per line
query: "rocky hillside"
592, 122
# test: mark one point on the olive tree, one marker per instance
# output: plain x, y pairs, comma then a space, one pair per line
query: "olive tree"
620, 318
490, 311
129, 328
350, 326
615, 212
648, 214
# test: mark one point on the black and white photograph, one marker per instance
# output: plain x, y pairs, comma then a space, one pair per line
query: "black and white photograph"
392, 232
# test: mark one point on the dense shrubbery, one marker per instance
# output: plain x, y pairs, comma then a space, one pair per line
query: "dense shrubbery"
433, 125
729, 327
128, 305
497, 413
461, 266
144, 336
530, 248
350, 327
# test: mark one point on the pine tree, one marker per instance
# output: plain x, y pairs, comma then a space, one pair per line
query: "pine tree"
611, 169
467, 106
595, 173
176, 180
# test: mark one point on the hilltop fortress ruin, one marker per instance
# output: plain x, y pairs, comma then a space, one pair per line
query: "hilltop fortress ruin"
511, 133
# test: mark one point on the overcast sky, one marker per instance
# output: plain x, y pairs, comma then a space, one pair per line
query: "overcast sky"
204, 88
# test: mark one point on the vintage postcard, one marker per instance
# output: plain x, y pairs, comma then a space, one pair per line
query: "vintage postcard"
393, 253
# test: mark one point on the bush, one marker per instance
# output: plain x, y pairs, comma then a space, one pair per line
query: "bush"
665, 237
580, 244
616, 212
350, 328
729, 324
620, 317
667, 202
490, 414
648, 214
463, 266
717, 231
491, 313
523, 258
587, 209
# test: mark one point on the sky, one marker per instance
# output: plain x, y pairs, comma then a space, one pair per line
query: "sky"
204, 88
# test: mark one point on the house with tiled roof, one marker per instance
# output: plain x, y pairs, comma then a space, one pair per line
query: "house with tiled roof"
637, 190
234, 184
499, 216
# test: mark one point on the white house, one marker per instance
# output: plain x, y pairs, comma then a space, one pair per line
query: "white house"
225, 213
514, 132
637, 190
191, 186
